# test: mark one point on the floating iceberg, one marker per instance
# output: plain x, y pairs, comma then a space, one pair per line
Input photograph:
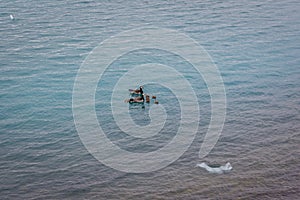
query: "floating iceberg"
216, 170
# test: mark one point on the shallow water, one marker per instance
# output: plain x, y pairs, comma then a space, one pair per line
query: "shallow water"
255, 46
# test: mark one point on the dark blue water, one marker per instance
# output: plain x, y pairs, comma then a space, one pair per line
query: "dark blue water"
255, 46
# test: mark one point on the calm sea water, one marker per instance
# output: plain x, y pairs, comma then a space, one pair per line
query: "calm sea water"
255, 44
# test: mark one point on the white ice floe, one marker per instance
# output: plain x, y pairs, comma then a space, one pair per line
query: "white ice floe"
217, 170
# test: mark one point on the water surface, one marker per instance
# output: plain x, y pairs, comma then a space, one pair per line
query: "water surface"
256, 47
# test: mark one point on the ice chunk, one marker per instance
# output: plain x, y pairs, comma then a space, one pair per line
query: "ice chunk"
217, 170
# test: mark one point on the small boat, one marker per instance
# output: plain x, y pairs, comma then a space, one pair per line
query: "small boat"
135, 100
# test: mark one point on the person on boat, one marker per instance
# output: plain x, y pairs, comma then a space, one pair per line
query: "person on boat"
139, 99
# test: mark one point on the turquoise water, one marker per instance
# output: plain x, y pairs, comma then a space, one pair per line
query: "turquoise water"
255, 46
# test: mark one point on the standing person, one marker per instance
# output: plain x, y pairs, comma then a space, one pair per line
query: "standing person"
142, 93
